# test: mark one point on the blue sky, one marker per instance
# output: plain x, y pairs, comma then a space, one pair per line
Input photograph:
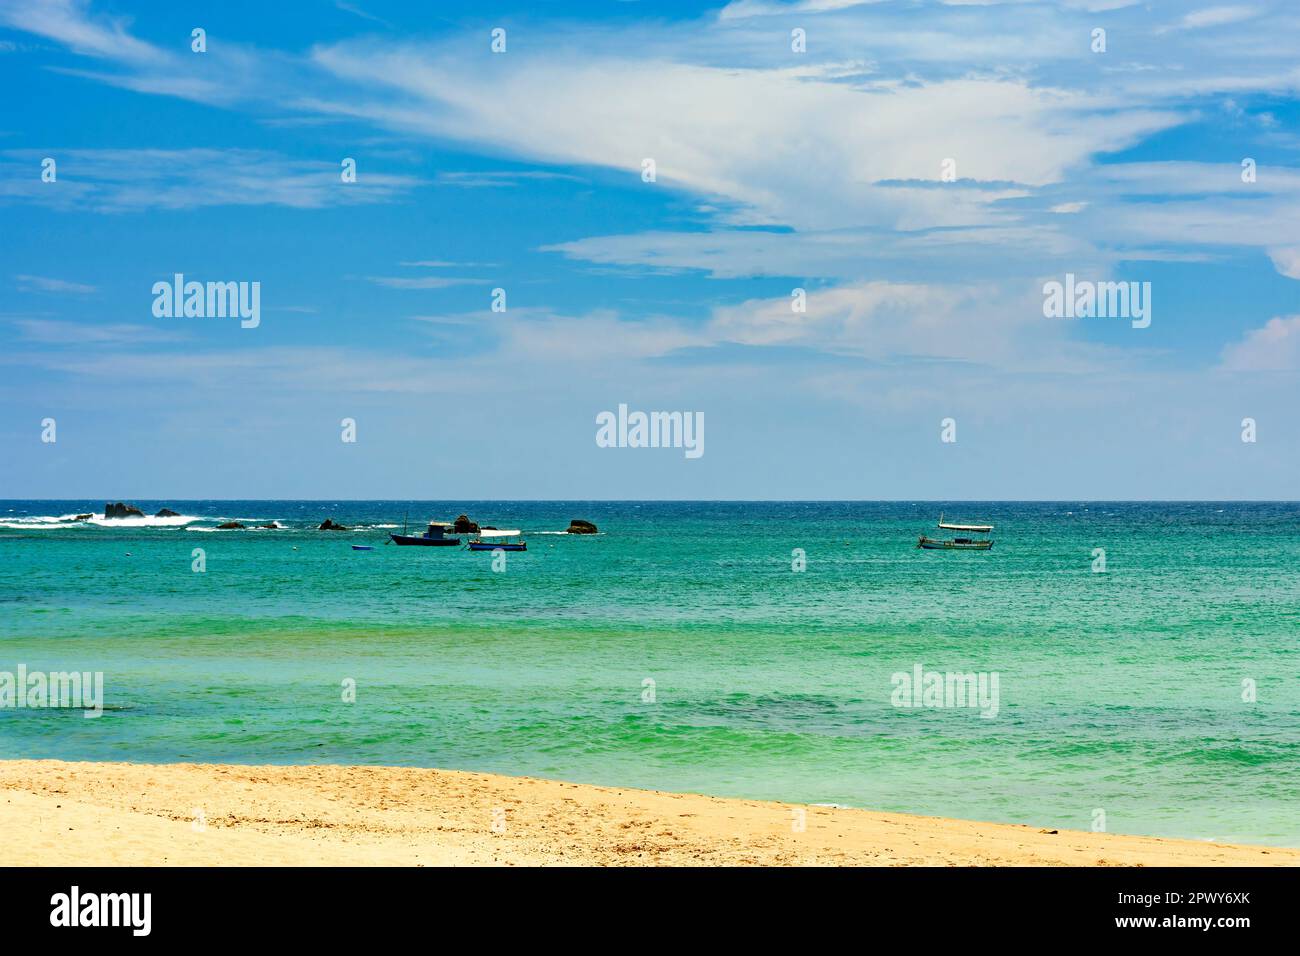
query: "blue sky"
775, 170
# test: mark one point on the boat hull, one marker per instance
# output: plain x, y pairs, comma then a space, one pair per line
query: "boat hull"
487, 546
931, 545
420, 541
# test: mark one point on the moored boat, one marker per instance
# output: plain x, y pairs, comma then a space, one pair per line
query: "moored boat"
435, 536
958, 544
955, 544
493, 539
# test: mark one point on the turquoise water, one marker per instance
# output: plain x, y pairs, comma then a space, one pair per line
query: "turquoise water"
1118, 691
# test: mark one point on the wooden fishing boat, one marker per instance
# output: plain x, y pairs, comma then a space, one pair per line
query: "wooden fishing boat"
955, 544
434, 537
492, 539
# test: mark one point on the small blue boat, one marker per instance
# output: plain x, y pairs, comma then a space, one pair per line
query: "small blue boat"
362, 547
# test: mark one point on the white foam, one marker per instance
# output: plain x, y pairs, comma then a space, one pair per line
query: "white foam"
52, 522
146, 522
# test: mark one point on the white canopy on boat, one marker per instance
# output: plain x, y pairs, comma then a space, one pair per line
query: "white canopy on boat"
492, 533
963, 527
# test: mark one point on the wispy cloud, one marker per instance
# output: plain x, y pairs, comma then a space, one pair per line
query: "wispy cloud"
50, 332
358, 12
45, 284
444, 264
70, 22
1218, 16
499, 178
740, 9
423, 282
127, 180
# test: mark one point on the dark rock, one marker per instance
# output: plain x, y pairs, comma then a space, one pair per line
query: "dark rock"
464, 526
167, 513
230, 526
578, 526
121, 510
329, 525
82, 517
273, 526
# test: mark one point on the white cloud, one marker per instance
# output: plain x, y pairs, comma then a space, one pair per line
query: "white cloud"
497, 178
51, 332
740, 9
992, 324
120, 180
1286, 261
69, 22
1273, 348
423, 282
1218, 16
981, 251
813, 157
44, 284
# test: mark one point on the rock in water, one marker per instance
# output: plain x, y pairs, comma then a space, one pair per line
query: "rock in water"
121, 510
166, 513
578, 526
329, 525
464, 526
230, 526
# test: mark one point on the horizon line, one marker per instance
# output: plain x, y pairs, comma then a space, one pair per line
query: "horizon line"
127, 500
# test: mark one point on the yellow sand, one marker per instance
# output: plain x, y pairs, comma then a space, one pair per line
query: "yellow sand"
58, 813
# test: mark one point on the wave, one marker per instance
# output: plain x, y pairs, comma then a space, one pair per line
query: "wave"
15, 526
147, 521
59, 522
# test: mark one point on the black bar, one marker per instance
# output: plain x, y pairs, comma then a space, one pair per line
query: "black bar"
947, 906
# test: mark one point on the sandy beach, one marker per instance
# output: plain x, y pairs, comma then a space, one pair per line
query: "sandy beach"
201, 815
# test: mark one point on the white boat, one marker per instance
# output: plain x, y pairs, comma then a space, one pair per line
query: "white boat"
496, 539
977, 528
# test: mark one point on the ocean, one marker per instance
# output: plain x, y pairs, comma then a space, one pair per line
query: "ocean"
682, 648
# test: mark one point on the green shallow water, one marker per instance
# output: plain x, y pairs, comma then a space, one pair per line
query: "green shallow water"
1119, 692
